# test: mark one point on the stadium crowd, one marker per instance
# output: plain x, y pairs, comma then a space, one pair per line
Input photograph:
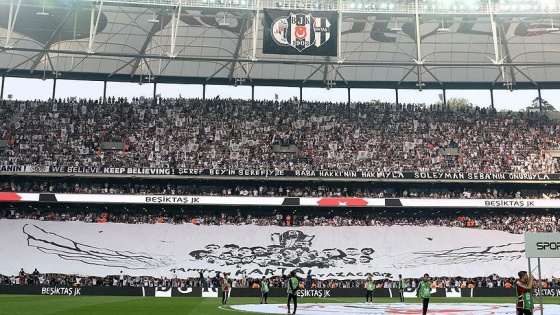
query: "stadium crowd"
515, 223
212, 280
267, 190
237, 134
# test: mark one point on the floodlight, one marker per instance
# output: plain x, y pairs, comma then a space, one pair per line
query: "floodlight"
223, 22
443, 29
552, 28
43, 12
396, 28
153, 19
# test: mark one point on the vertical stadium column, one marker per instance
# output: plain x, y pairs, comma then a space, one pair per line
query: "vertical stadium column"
396, 98
349, 99
2, 89
540, 100
105, 92
539, 269
204, 92
492, 98
253, 94
155, 91
444, 105
54, 89
300, 94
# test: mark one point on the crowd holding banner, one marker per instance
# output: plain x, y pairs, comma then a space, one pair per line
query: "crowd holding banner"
238, 137
412, 176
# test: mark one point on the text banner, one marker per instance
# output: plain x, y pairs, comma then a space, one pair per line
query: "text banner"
267, 173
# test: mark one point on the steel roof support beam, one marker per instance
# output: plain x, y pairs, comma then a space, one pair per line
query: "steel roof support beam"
255, 31
24, 62
339, 31
506, 55
93, 27
11, 22
156, 27
286, 62
419, 59
218, 71
326, 72
312, 74
498, 58
52, 39
523, 74
176, 17
239, 43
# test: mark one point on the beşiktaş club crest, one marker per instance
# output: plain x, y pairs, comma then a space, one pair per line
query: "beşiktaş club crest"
301, 31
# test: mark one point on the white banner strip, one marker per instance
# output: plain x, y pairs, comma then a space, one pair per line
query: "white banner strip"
283, 201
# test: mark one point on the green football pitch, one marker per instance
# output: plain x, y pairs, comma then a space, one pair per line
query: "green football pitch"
86, 305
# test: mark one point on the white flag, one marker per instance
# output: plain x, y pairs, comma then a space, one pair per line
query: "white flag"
362, 155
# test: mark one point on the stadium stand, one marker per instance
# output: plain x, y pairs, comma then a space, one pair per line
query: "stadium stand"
235, 134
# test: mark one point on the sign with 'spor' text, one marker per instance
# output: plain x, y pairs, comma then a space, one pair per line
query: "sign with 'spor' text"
542, 245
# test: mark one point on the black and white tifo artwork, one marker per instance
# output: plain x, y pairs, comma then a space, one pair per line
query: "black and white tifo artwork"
294, 248
329, 252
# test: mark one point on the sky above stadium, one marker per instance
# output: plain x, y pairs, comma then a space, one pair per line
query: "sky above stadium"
24, 89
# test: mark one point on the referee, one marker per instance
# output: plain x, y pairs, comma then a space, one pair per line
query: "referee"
293, 284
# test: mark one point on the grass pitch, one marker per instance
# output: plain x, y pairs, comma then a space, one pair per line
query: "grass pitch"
101, 305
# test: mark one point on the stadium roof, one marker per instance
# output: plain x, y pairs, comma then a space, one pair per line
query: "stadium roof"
211, 41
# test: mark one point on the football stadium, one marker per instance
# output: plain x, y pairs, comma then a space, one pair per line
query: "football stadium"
205, 204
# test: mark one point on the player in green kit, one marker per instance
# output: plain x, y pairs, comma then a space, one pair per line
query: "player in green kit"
264, 290
370, 286
424, 291
402, 286
293, 285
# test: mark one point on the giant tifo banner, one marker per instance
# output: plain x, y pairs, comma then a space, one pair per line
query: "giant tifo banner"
329, 252
300, 32
279, 201
266, 173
